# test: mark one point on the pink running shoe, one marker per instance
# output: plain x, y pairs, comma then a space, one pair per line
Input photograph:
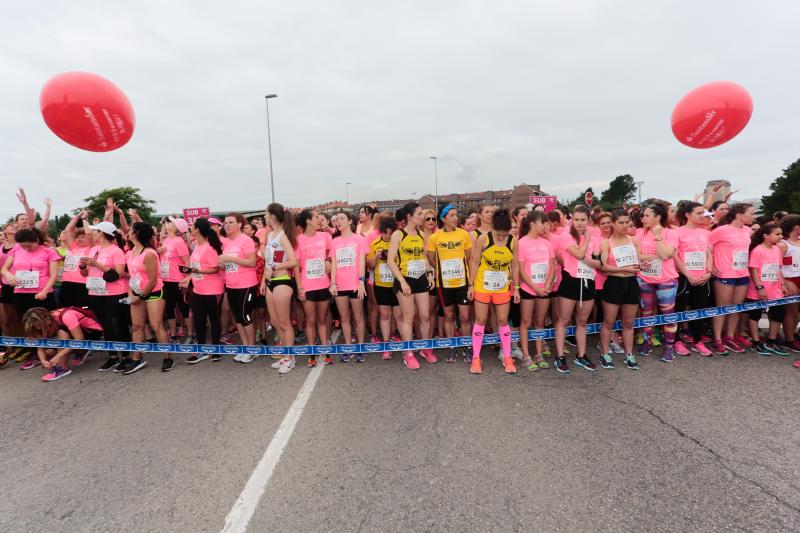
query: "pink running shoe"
33, 362
681, 348
428, 355
741, 340
732, 345
701, 348
56, 373
797, 364
410, 361
386, 356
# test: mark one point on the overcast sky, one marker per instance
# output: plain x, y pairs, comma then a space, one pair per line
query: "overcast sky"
562, 94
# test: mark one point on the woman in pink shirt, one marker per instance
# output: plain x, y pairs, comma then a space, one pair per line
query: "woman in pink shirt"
238, 260
313, 253
146, 294
694, 262
31, 268
208, 286
78, 242
766, 283
730, 242
658, 277
348, 268
174, 254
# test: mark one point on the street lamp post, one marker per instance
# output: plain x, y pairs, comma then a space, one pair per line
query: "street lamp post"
347, 193
639, 187
269, 145
435, 183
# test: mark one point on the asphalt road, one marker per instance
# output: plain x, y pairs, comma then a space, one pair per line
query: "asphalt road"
697, 445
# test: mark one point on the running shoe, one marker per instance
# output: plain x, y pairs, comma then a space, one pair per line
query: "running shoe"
686, 337
428, 355
615, 347
33, 362
606, 361
277, 364
135, 366
760, 348
216, 358
681, 348
796, 364
56, 373
124, 365
450, 357
386, 356
530, 364
793, 346
645, 348
467, 354
546, 349
706, 339
300, 338
639, 339
410, 360
630, 362
361, 357
585, 362
312, 362
743, 341
345, 357
475, 366
776, 348
655, 340
237, 358
561, 365
701, 348
287, 366
110, 363
78, 358
373, 339
668, 356
167, 364
328, 360
732, 345
516, 351
509, 366
539, 360
570, 341
248, 358
718, 347
196, 358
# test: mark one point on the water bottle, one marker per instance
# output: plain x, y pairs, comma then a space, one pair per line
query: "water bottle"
126, 301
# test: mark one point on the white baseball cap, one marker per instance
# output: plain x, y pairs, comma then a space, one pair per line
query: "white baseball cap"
106, 227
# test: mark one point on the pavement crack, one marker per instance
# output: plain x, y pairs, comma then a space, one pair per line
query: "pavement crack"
717, 457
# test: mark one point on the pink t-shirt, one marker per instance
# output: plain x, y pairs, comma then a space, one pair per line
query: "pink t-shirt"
571, 262
347, 252
768, 263
170, 260
660, 270
372, 235
238, 276
553, 240
205, 257
536, 257
110, 256
692, 249
32, 269
72, 273
312, 252
73, 319
139, 278
730, 251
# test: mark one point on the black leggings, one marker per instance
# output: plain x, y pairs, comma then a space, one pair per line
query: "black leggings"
173, 296
113, 316
241, 302
206, 306
73, 294
694, 298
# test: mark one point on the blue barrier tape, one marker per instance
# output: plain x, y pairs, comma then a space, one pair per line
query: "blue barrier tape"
231, 349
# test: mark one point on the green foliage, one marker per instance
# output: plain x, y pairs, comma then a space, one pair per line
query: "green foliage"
621, 191
785, 194
125, 198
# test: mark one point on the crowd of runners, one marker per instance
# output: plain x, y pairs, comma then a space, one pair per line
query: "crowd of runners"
304, 278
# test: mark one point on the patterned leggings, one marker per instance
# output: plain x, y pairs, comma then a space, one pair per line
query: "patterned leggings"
663, 295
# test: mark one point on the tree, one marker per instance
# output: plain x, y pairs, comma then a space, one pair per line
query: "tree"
125, 198
785, 194
621, 190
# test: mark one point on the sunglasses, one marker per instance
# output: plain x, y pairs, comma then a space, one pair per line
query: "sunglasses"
430, 219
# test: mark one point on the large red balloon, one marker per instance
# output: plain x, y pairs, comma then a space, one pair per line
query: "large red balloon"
711, 114
87, 111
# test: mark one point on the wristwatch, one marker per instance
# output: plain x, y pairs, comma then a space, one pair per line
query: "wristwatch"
759, 287
361, 278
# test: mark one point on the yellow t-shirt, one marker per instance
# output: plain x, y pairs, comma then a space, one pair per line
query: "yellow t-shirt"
451, 264
382, 274
411, 255
494, 272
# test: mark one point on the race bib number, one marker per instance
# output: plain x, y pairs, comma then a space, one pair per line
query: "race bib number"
740, 260
27, 279
584, 271
231, 267
625, 255
315, 268
96, 285
453, 271
346, 257
415, 268
136, 284
769, 272
495, 280
539, 272
385, 273
71, 263
196, 275
694, 261
654, 269
164, 269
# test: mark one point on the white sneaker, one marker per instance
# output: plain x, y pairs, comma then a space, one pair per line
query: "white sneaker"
279, 363
615, 347
248, 358
286, 367
516, 351
238, 358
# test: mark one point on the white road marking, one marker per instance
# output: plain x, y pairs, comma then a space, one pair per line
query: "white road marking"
245, 506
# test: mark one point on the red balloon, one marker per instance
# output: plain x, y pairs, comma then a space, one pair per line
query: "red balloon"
87, 111
712, 114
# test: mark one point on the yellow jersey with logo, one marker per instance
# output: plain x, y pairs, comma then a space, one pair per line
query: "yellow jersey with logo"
494, 271
411, 255
451, 263
382, 274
